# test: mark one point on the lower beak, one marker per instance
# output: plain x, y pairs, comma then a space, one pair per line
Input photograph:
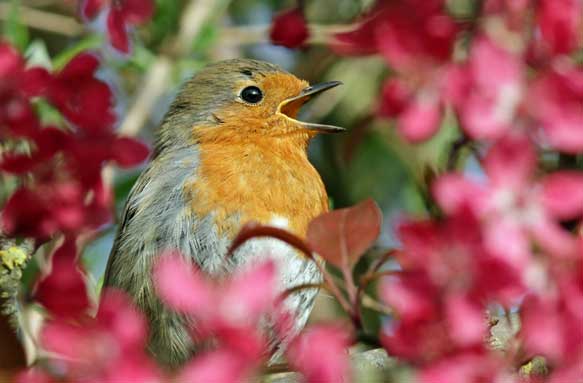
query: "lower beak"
290, 107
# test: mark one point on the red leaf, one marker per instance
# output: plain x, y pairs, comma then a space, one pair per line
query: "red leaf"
342, 236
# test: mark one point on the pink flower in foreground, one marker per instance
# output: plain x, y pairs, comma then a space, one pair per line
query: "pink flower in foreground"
230, 311
514, 209
121, 14
320, 353
109, 348
289, 29
16, 113
558, 334
440, 296
63, 291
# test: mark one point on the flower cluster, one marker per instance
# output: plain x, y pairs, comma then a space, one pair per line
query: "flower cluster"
506, 237
234, 314
489, 89
66, 193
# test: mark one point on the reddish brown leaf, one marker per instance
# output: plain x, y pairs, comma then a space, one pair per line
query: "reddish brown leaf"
342, 236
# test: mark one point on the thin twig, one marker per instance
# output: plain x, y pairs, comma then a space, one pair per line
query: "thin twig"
46, 21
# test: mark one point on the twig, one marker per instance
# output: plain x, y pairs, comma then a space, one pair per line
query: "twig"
259, 34
47, 21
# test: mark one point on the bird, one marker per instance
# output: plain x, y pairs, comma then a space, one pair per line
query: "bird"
229, 151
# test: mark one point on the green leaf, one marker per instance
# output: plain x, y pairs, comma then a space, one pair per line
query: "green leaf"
14, 30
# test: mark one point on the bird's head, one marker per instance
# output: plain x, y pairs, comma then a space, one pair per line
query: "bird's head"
242, 99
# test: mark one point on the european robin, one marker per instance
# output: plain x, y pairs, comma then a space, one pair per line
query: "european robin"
229, 151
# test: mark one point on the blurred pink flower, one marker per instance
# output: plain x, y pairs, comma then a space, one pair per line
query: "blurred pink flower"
84, 100
513, 208
560, 23
487, 90
109, 348
218, 366
411, 35
229, 311
470, 367
440, 296
121, 14
63, 291
16, 113
554, 100
320, 354
289, 29
551, 319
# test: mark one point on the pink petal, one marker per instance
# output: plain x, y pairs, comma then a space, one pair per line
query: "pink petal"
411, 295
560, 24
563, 194
90, 8
221, 366
394, 97
511, 162
466, 320
11, 62
117, 30
63, 291
251, 293
128, 152
121, 319
420, 119
181, 287
289, 29
320, 353
137, 11
82, 65
454, 191
541, 334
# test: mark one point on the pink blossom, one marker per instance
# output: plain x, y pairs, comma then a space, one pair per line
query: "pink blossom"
489, 89
63, 291
289, 29
555, 98
109, 348
320, 353
560, 23
410, 34
511, 204
121, 14
229, 311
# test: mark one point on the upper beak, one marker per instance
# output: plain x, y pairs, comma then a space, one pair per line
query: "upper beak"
290, 106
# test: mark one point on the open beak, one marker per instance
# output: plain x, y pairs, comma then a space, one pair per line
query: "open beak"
291, 106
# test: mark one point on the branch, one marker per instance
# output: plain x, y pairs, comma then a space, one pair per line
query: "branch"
46, 21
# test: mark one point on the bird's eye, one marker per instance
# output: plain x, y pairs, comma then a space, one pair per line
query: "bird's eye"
252, 94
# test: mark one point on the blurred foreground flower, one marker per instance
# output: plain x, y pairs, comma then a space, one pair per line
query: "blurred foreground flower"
289, 29
121, 15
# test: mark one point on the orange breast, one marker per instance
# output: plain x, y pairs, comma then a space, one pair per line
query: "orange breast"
256, 179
